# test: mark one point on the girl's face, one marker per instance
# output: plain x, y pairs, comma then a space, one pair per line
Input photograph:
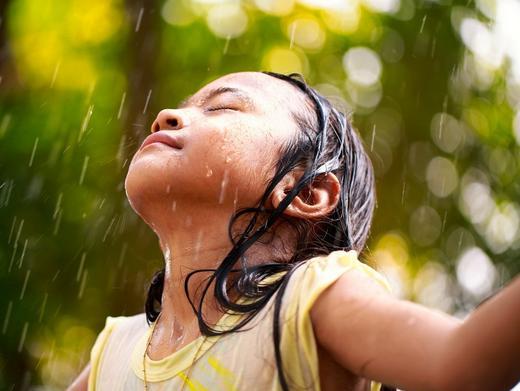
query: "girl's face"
218, 148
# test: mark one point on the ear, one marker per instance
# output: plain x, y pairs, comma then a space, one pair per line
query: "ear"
315, 201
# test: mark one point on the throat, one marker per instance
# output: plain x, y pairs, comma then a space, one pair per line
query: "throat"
169, 337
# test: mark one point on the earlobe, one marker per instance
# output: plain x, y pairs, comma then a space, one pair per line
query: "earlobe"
317, 200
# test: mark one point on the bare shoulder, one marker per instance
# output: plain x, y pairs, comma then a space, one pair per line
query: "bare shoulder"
353, 285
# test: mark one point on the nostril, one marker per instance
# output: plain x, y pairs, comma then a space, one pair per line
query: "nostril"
172, 122
156, 127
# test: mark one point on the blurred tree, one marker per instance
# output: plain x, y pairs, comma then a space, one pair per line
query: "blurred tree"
433, 87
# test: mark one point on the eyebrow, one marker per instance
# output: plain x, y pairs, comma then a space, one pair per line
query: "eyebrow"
240, 94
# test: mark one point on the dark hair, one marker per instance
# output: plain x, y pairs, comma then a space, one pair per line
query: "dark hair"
326, 143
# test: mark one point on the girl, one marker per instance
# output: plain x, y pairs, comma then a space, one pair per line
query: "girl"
262, 197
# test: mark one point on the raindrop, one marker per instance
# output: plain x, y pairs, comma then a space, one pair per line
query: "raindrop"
139, 18
147, 101
108, 229
42, 309
55, 74
444, 218
12, 230
293, 30
422, 24
58, 222
86, 120
223, 185
373, 138
7, 316
83, 169
22, 293
57, 208
12, 257
81, 264
235, 200
403, 193
209, 171
22, 337
226, 46
122, 255
33, 151
6, 193
19, 232
121, 105
4, 124
56, 275
23, 253
82, 285
434, 43
198, 243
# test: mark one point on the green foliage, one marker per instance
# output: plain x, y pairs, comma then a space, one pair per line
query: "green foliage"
82, 81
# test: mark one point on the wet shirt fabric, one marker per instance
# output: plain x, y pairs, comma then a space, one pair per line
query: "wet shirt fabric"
233, 362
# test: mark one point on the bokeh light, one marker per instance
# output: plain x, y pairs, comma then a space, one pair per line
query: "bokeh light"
433, 88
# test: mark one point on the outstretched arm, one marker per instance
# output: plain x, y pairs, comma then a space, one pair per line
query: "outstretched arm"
81, 382
414, 348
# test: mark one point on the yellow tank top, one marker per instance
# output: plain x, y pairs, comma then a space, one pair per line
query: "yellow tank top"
239, 361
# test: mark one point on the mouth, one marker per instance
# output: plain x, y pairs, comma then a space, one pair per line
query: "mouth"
162, 137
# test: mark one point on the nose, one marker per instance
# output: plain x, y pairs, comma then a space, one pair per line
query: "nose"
169, 119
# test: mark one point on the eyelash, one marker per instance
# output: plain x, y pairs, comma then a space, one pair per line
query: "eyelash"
216, 108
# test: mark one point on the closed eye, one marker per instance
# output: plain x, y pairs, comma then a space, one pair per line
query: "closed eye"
217, 108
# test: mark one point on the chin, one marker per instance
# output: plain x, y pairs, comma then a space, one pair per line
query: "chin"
145, 188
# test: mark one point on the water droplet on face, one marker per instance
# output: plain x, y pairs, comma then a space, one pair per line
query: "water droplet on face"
228, 159
209, 171
223, 186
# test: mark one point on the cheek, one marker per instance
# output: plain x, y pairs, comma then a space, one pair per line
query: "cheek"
235, 159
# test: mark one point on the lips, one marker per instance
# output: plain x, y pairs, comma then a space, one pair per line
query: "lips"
162, 137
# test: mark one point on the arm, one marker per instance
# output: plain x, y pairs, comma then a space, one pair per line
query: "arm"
409, 346
81, 382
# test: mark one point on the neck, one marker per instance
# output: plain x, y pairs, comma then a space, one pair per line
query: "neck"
194, 240
191, 241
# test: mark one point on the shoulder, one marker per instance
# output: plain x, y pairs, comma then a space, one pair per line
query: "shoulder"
339, 268
306, 286
352, 290
116, 330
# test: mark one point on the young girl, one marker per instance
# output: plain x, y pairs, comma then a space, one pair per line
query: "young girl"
262, 197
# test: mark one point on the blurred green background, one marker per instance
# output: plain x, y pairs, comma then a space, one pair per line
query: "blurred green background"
434, 88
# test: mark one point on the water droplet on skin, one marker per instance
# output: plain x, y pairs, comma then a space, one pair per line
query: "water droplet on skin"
223, 186
228, 159
168, 188
209, 172
174, 206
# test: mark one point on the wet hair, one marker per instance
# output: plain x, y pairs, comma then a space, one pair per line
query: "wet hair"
325, 143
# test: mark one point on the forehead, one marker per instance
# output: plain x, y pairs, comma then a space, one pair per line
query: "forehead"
267, 92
